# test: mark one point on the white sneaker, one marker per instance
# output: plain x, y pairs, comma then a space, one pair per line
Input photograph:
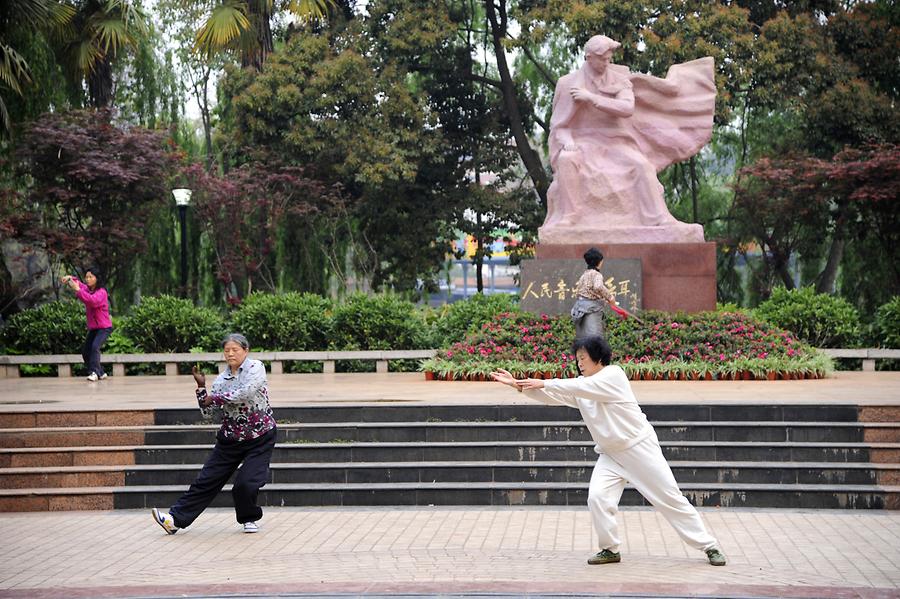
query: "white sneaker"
104, 376
165, 520
251, 527
92, 377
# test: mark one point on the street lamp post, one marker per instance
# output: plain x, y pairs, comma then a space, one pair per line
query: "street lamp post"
183, 200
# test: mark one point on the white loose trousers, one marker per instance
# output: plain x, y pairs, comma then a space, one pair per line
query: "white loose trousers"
645, 467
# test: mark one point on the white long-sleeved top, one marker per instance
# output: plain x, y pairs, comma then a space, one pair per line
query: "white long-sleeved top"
606, 403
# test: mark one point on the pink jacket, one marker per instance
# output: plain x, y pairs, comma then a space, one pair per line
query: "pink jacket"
97, 306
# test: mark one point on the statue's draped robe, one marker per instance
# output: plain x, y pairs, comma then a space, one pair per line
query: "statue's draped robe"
607, 189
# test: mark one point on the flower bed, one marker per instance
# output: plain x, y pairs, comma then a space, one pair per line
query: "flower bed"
704, 346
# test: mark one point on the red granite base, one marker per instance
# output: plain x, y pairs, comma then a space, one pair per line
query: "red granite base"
675, 276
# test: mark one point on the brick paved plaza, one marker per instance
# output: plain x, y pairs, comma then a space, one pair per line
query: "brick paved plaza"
410, 551
440, 550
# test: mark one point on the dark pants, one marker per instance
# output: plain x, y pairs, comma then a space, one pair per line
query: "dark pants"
220, 465
90, 351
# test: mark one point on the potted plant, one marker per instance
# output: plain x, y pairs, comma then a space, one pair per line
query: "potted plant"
731, 370
757, 368
428, 367
706, 370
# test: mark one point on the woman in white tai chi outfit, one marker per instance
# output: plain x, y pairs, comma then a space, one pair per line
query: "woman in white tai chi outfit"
628, 447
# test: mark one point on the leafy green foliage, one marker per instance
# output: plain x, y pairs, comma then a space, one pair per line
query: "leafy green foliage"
53, 328
350, 119
118, 342
887, 324
287, 321
821, 320
383, 321
26, 26
169, 324
453, 321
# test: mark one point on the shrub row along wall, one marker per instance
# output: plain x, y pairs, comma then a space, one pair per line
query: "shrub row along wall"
696, 346
285, 322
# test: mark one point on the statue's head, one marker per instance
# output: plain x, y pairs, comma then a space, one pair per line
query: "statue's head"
598, 52
600, 45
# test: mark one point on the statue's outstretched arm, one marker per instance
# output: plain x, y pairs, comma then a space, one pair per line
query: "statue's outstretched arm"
622, 105
664, 86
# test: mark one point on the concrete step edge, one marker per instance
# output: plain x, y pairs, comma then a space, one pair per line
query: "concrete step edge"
453, 424
418, 444
745, 487
460, 464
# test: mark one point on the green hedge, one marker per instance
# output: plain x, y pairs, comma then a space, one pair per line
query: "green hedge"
165, 324
451, 322
378, 322
302, 321
887, 324
286, 322
821, 320
53, 328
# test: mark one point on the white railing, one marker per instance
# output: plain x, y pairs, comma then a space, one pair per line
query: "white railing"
868, 355
9, 365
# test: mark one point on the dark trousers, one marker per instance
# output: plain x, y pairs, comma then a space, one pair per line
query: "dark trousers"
220, 465
90, 351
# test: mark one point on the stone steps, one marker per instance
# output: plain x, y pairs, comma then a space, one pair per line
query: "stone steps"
452, 432
727, 454
485, 493
862, 473
465, 451
538, 413
329, 413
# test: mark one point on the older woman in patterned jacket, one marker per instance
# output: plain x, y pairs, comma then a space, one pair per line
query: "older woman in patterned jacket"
239, 397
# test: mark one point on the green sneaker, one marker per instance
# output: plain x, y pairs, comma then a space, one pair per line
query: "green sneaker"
715, 557
605, 557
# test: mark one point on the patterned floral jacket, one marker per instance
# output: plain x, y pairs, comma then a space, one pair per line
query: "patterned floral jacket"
241, 401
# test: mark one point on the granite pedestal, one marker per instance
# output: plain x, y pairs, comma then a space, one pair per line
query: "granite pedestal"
674, 276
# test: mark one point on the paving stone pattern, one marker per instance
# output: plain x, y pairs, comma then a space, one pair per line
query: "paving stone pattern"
492, 549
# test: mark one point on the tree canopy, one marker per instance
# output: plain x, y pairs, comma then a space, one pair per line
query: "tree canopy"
359, 141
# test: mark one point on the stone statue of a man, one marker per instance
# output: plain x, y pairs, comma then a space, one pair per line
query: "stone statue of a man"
610, 133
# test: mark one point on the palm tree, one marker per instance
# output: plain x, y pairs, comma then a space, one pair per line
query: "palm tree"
245, 26
15, 74
101, 29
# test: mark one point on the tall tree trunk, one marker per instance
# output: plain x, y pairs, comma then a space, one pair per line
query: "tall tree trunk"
784, 272
780, 266
206, 119
479, 255
479, 243
778, 262
828, 276
260, 18
201, 90
530, 158
100, 83
693, 167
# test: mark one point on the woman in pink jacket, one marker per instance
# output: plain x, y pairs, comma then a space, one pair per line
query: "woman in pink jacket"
96, 303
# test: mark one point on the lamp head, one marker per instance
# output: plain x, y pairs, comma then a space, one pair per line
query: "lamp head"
182, 196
